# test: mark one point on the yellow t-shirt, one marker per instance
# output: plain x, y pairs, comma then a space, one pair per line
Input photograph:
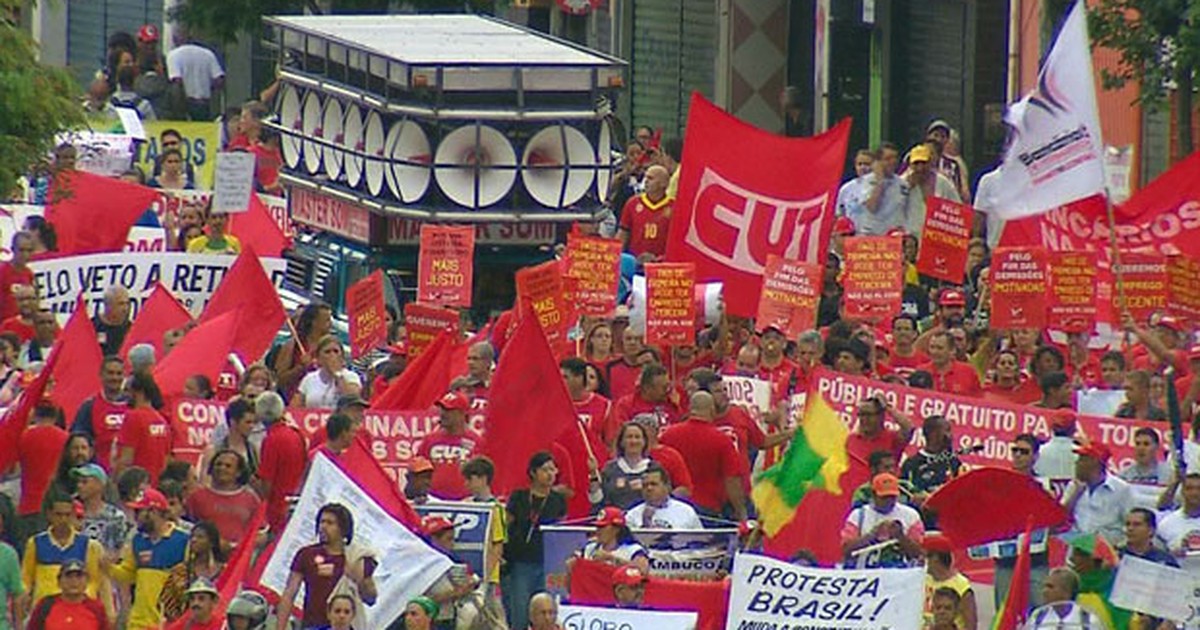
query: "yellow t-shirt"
498, 535
673, 183
958, 582
202, 245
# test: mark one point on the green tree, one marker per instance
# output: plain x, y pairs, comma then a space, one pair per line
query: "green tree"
1159, 45
36, 101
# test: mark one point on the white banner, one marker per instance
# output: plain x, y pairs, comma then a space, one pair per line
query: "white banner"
191, 278
767, 593
1152, 588
406, 567
597, 618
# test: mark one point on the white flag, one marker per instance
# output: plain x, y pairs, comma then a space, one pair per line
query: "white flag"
1056, 155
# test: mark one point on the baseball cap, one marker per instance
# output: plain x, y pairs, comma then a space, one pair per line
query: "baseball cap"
454, 401
148, 33
920, 153
351, 400
202, 585
90, 470
885, 485
419, 465
435, 524
1094, 450
938, 124
897, 231
938, 543
400, 348
72, 566
952, 297
151, 499
1194, 352
1169, 321
628, 575
610, 516
1062, 419
843, 227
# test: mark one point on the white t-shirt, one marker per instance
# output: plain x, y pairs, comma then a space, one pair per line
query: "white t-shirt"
866, 518
197, 67
1181, 533
674, 515
319, 394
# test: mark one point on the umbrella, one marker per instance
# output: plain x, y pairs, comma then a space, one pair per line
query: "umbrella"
989, 504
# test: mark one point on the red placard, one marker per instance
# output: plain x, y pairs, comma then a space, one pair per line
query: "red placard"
446, 269
1144, 276
541, 288
670, 304
873, 277
791, 292
1018, 287
192, 426
367, 314
1071, 298
1183, 287
595, 263
423, 323
944, 240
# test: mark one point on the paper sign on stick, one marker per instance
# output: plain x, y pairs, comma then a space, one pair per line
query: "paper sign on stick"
234, 182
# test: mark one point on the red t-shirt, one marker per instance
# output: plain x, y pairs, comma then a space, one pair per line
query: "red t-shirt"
10, 276
647, 223
592, 412
711, 458
737, 424
76, 616
105, 421
447, 453
282, 465
229, 511
149, 435
786, 379
631, 405
40, 447
321, 571
622, 378
18, 327
1026, 392
860, 447
960, 378
903, 366
672, 462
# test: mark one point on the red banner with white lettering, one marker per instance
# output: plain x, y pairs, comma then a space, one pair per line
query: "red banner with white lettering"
1183, 287
542, 289
1018, 288
446, 267
790, 294
670, 307
1145, 278
741, 199
595, 263
873, 277
192, 424
423, 323
944, 240
367, 313
1071, 292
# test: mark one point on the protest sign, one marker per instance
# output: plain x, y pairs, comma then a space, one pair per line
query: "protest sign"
192, 425
472, 529
944, 240
423, 323
201, 141
1145, 278
1099, 402
752, 394
768, 593
1071, 295
790, 292
104, 154
367, 313
670, 304
446, 267
1018, 284
234, 182
1183, 287
191, 278
873, 277
592, 617
540, 290
1151, 588
595, 263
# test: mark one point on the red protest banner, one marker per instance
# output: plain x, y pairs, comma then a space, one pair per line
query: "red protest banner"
791, 291
367, 314
446, 267
873, 277
192, 426
595, 264
1018, 282
670, 307
1183, 287
1071, 298
947, 230
393, 436
423, 323
543, 290
1145, 281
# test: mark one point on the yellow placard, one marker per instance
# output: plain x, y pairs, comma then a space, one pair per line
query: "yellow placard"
201, 142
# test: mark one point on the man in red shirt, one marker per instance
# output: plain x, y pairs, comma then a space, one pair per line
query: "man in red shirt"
284, 458
871, 435
448, 447
646, 218
669, 457
39, 446
952, 306
653, 397
622, 372
716, 468
591, 408
949, 374
481, 358
1163, 346
21, 324
102, 415
15, 272
202, 599
71, 608
903, 356
735, 421
785, 376
145, 437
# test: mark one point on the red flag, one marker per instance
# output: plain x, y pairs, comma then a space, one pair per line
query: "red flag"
256, 229
204, 350
159, 314
528, 384
14, 421
246, 285
79, 376
424, 381
1015, 610
360, 465
591, 584
93, 214
740, 200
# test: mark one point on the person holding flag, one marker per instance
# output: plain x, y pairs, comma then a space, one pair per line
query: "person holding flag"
320, 568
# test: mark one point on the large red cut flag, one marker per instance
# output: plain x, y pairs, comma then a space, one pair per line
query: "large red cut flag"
247, 286
740, 200
256, 229
424, 380
78, 376
159, 314
204, 350
93, 214
1015, 609
592, 585
529, 408
16, 418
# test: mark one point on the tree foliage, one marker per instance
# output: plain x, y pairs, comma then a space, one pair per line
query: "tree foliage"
36, 102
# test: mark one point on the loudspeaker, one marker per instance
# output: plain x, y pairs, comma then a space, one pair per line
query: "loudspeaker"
352, 140
310, 124
289, 118
331, 126
373, 142
550, 166
475, 166
604, 161
410, 155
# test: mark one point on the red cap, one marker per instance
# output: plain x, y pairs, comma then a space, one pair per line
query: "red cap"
938, 543
1094, 450
454, 401
952, 297
610, 516
418, 465
897, 231
747, 527
148, 33
400, 348
1169, 321
628, 575
843, 227
1062, 419
435, 524
151, 499
1194, 352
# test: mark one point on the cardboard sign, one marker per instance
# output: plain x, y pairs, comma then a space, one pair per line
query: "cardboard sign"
234, 182
541, 289
201, 141
1018, 284
944, 240
1145, 282
1152, 588
670, 304
446, 271
790, 294
873, 277
1183, 287
424, 323
1071, 303
595, 263
367, 313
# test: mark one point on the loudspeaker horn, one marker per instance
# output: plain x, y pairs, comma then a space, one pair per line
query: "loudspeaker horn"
551, 166
410, 154
310, 124
373, 141
604, 161
331, 125
475, 166
352, 140
289, 118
